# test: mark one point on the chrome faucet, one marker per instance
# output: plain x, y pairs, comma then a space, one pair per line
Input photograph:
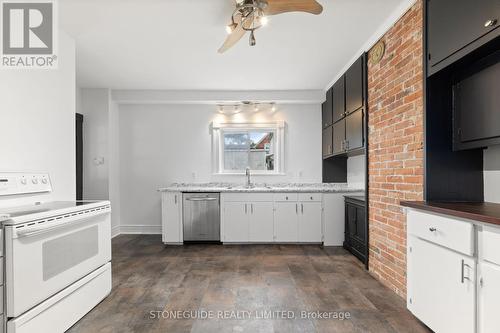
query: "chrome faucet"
247, 173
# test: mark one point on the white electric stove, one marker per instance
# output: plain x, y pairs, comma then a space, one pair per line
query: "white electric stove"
56, 257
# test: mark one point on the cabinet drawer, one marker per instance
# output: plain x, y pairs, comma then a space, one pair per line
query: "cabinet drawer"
247, 197
310, 197
285, 197
490, 240
448, 232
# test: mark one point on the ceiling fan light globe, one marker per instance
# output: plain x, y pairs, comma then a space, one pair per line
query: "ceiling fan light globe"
264, 20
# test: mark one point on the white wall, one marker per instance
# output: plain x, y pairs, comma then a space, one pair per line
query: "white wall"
492, 174
94, 105
356, 172
160, 144
114, 165
37, 117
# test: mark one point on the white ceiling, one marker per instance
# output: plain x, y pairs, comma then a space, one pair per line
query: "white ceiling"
172, 44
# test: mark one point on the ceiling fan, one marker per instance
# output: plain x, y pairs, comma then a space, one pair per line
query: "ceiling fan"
250, 15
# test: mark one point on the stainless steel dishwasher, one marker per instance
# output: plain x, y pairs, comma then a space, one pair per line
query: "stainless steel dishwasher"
201, 217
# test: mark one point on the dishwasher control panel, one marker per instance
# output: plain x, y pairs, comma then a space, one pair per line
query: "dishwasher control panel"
12, 183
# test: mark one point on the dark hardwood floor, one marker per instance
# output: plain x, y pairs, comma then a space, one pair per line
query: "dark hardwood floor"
148, 276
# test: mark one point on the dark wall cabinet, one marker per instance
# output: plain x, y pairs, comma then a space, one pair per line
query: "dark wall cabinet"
476, 107
457, 27
338, 100
355, 130
327, 142
354, 86
356, 228
348, 105
326, 110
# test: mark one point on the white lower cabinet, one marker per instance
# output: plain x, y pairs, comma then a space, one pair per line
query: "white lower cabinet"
442, 290
286, 222
172, 218
261, 229
236, 222
310, 222
267, 218
489, 297
453, 273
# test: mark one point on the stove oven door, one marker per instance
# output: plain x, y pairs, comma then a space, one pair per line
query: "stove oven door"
44, 258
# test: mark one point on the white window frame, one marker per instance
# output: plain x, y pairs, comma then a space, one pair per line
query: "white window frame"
218, 130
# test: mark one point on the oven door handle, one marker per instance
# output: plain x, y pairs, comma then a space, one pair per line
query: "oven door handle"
30, 232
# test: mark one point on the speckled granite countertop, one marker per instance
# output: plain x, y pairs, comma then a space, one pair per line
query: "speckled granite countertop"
261, 188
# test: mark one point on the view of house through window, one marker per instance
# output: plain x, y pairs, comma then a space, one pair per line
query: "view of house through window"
249, 148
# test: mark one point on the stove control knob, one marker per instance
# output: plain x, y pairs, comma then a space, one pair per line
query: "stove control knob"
34, 181
23, 181
44, 181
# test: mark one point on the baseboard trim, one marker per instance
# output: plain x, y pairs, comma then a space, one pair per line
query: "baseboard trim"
135, 230
115, 231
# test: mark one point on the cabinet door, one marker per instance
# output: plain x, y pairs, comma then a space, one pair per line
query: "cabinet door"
286, 221
439, 294
354, 86
236, 221
327, 109
310, 227
360, 224
476, 112
327, 141
171, 218
338, 137
489, 298
453, 25
338, 99
261, 228
351, 225
354, 130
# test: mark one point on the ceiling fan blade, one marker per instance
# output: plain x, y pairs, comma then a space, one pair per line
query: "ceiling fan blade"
236, 35
275, 7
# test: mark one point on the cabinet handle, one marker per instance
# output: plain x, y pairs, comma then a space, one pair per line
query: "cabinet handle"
302, 208
490, 23
245, 208
346, 144
463, 271
251, 208
432, 229
296, 208
175, 199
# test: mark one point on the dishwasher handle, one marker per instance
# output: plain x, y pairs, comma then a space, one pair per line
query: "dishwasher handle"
201, 199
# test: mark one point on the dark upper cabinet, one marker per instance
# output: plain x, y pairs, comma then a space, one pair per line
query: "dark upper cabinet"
348, 98
476, 112
354, 124
338, 99
327, 141
326, 109
354, 86
457, 27
338, 137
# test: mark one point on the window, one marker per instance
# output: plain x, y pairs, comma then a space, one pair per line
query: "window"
256, 146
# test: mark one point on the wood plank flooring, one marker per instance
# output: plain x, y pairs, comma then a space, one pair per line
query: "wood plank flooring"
260, 279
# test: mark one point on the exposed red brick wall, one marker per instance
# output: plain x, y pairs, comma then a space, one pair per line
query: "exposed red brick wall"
395, 154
